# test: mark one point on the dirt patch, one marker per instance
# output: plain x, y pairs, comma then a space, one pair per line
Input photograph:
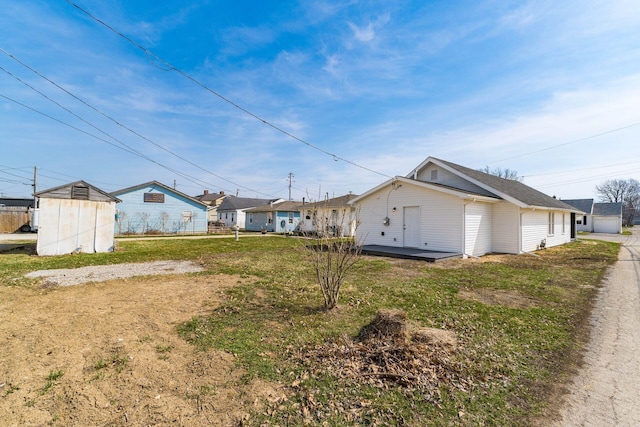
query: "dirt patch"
108, 354
502, 297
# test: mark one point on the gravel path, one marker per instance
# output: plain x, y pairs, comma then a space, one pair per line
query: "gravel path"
101, 273
606, 391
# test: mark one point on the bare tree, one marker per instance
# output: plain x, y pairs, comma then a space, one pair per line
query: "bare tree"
331, 254
144, 217
502, 173
625, 191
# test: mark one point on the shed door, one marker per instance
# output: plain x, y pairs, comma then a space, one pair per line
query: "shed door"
411, 232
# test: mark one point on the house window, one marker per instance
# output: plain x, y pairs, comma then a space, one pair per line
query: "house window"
226, 216
434, 175
250, 218
563, 229
290, 217
269, 218
584, 220
551, 223
579, 222
232, 217
187, 216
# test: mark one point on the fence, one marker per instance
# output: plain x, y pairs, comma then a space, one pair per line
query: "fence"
12, 218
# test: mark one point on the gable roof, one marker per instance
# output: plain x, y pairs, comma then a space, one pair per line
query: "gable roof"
585, 205
399, 180
65, 191
277, 207
607, 209
209, 197
336, 202
157, 184
508, 189
233, 203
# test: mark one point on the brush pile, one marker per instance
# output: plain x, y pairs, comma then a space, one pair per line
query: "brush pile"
387, 354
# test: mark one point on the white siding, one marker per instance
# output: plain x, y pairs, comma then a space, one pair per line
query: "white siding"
441, 218
75, 225
607, 224
535, 228
506, 228
478, 229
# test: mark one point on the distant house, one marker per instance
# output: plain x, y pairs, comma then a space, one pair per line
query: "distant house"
213, 200
153, 207
76, 217
335, 215
17, 202
597, 217
279, 217
232, 210
445, 207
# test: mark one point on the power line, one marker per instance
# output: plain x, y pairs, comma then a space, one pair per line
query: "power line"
181, 174
569, 142
133, 151
150, 55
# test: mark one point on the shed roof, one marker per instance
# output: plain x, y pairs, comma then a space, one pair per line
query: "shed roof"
607, 209
78, 190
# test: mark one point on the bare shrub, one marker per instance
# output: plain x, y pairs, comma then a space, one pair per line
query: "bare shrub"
333, 249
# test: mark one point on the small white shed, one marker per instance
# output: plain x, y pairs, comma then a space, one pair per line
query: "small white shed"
76, 217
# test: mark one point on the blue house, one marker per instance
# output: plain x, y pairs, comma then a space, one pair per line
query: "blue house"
154, 208
279, 217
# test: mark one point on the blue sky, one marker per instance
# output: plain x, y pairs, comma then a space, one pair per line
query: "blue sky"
369, 89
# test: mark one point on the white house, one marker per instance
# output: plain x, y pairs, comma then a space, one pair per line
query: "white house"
597, 217
76, 217
442, 206
335, 215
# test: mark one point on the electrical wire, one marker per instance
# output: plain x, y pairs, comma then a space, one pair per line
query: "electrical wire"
151, 56
129, 148
181, 174
552, 147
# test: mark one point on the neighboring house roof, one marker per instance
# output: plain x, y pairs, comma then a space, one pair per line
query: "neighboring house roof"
277, 207
607, 209
232, 203
18, 202
158, 184
66, 191
209, 197
336, 202
585, 205
508, 189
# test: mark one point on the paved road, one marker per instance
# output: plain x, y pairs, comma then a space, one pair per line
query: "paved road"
606, 391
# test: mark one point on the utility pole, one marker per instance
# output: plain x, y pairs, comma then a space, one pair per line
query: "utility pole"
35, 186
290, 177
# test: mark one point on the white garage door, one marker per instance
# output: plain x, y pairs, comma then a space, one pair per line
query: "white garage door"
606, 225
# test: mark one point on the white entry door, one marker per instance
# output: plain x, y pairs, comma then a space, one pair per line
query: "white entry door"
411, 232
